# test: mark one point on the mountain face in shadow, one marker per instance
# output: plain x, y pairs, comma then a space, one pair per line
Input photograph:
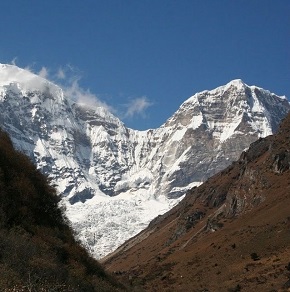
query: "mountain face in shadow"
38, 251
230, 234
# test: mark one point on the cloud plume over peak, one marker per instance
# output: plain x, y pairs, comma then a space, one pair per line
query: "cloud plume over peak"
60, 74
84, 96
44, 73
137, 106
68, 78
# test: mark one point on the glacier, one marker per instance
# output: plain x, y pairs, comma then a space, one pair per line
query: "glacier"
114, 180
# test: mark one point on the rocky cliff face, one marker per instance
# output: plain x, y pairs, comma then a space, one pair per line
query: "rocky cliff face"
212, 127
116, 179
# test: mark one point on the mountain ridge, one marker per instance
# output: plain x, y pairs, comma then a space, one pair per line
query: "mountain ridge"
102, 168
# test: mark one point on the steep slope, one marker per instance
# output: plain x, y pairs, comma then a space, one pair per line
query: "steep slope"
230, 234
211, 129
38, 251
114, 180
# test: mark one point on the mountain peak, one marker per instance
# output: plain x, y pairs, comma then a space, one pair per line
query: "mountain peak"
237, 83
28, 81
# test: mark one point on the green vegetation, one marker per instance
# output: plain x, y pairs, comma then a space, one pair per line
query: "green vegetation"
38, 251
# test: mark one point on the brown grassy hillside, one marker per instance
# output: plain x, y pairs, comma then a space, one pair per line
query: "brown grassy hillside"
230, 234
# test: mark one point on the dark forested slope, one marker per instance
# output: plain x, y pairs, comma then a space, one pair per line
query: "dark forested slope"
38, 251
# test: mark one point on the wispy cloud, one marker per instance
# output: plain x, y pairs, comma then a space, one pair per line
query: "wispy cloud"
68, 78
13, 62
137, 106
43, 73
28, 67
60, 74
84, 96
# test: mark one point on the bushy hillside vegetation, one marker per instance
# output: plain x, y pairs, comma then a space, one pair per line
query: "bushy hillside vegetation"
38, 251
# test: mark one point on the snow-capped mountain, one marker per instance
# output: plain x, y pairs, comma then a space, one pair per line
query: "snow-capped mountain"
114, 180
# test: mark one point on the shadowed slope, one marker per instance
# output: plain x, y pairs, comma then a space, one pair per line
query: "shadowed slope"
37, 248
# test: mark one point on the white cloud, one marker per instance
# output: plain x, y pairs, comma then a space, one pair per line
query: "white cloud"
137, 106
61, 74
29, 68
43, 72
84, 96
67, 77
26, 78
13, 62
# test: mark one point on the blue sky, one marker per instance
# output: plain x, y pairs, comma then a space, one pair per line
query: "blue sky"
143, 58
